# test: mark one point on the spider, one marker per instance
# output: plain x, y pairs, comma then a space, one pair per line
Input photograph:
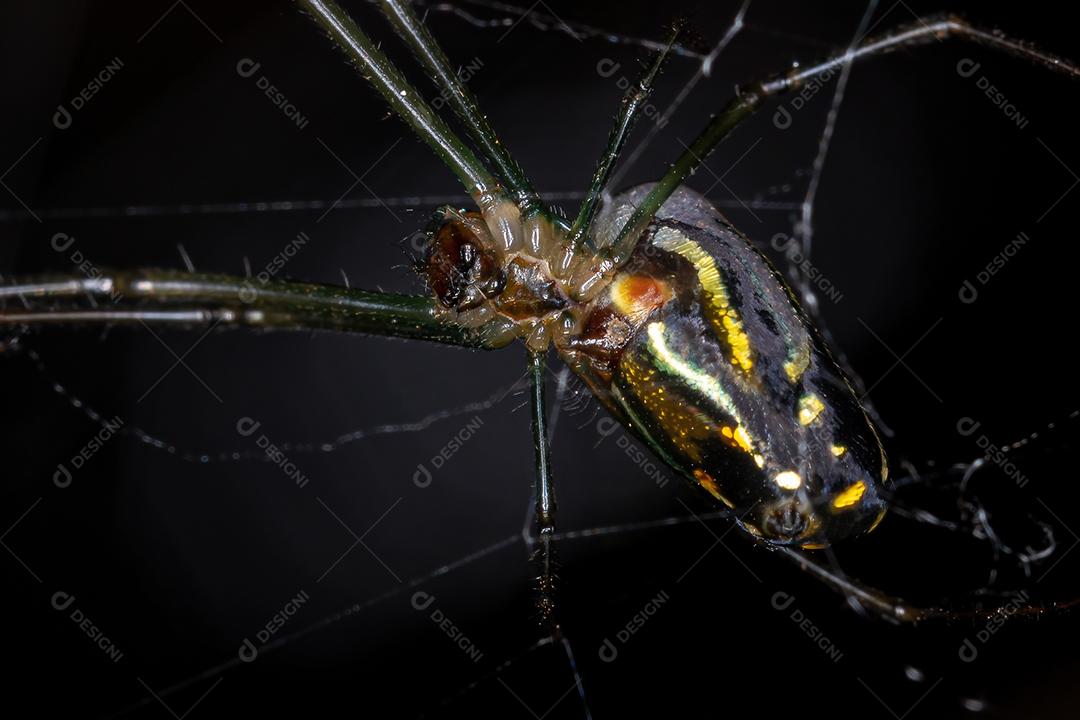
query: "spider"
610, 291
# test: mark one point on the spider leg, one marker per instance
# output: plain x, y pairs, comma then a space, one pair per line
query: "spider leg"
545, 492
899, 611
889, 608
750, 98
544, 555
853, 600
170, 298
457, 94
629, 110
921, 32
404, 99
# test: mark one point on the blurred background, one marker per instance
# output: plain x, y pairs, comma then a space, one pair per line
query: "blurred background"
133, 128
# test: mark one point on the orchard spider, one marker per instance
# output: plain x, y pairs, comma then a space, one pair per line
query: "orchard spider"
674, 320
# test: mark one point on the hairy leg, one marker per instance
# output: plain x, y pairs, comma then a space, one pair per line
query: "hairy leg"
170, 298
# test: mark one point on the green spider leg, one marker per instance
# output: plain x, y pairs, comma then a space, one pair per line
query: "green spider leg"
898, 611
544, 554
458, 95
746, 102
404, 100
629, 111
190, 300
544, 491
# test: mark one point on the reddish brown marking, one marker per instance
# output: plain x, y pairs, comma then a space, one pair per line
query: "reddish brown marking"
637, 295
706, 481
459, 268
612, 321
644, 290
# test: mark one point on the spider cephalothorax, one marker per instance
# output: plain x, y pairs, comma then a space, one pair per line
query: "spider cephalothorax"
516, 278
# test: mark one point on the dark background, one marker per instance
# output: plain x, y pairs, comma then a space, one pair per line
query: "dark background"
178, 561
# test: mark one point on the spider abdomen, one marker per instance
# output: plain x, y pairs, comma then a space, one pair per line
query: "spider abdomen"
700, 348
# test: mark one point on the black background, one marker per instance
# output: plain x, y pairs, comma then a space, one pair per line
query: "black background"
177, 562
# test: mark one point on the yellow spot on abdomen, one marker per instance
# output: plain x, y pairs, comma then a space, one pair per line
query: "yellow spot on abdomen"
797, 362
810, 407
788, 480
743, 438
850, 497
